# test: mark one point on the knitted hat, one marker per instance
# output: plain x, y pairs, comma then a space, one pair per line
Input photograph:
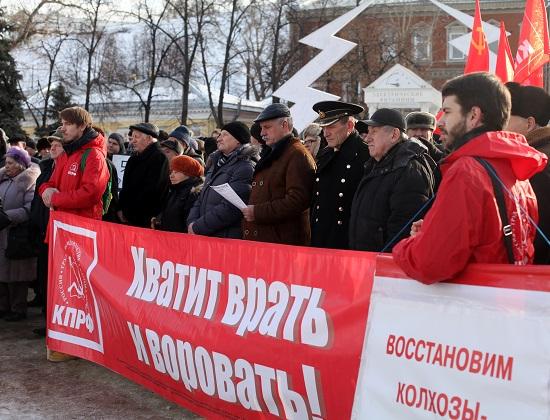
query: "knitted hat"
186, 165
182, 133
19, 155
173, 145
120, 140
238, 130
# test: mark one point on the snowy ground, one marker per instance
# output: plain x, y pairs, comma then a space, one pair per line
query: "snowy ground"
33, 388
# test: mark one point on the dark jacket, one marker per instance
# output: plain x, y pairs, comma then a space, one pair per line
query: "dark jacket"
111, 215
212, 215
144, 186
40, 214
389, 195
338, 175
281, 195
175, 211
540, 140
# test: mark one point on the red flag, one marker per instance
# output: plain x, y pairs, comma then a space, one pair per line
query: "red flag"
505, 61
478, 56
533, 44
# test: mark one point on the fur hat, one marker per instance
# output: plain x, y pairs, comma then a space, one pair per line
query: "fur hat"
186, 165
238, 130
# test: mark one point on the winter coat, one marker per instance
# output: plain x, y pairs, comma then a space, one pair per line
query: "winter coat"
540, 140
80, 192
281, 195
16, 194
40, 214
181, 197
464, 226
111, 214
391, 192
212, 215
144, 186
338, 175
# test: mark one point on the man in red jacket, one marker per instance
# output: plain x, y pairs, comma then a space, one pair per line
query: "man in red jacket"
75, 186
70, 188
464, 225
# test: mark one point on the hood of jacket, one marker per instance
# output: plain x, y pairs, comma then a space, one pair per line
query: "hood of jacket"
524, 160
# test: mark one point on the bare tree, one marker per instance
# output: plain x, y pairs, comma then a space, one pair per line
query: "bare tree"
192, 15
267, 44
149, 55
230, 23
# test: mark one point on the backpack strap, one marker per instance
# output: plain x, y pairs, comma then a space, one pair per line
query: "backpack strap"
499, 196
84, 158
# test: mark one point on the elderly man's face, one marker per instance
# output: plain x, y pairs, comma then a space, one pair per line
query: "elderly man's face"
380, 140
140, 141
337, 133
425, 133
274, 130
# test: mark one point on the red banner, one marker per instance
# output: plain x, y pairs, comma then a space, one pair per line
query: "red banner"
533, 45
225, 328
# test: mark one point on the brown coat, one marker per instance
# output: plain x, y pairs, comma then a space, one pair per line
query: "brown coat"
281, 195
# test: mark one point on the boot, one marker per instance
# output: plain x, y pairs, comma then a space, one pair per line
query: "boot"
57, 356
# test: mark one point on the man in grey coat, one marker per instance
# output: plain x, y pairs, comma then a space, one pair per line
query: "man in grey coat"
232, 163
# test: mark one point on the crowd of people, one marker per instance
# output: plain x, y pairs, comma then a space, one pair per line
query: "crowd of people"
470, 187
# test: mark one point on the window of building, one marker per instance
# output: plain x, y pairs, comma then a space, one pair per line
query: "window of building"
422, 44
455, 31
389, 45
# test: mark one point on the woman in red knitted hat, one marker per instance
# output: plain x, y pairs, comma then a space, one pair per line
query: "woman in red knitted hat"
186, 178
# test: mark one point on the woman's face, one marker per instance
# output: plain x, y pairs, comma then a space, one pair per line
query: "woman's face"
176, 177
12, 167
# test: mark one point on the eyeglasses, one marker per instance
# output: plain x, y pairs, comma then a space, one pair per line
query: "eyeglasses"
304, 142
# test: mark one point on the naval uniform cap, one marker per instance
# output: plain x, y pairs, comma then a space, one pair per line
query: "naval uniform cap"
331, 111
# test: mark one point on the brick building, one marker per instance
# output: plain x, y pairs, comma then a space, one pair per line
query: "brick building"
413, 33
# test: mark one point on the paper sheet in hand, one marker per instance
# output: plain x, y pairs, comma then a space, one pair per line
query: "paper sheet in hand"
229, 194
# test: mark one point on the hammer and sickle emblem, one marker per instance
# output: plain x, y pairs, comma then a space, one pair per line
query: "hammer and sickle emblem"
479, 42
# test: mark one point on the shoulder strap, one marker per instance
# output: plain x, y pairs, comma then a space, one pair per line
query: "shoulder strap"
83, 159
499, 196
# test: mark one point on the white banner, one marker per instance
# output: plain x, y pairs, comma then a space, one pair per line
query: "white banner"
454, 351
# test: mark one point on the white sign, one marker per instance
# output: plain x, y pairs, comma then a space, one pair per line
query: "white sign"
451, 350
119, 161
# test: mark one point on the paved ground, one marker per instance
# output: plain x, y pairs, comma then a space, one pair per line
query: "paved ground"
33, 388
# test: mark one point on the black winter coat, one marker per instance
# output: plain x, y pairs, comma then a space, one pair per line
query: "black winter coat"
212, 215
391, 192
338, 175
181, 198
40, 214
144, 186
540, 140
